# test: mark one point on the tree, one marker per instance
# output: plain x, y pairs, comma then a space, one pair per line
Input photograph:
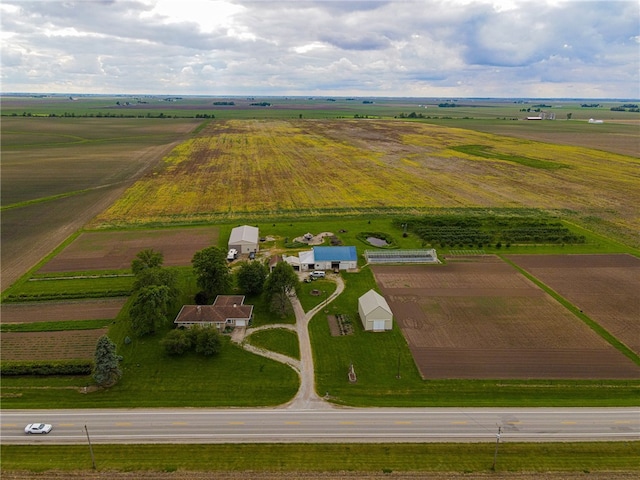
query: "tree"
147, 267
146, 259
212, 271
206, 340
176, 342
106, 370
279, 284
149, 309
158, 277
251, 277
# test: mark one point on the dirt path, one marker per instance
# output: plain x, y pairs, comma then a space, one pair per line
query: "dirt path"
306, 398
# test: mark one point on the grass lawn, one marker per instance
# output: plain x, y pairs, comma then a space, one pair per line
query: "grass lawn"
278, 340
380, 457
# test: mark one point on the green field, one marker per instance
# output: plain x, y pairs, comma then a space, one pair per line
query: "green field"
381, 458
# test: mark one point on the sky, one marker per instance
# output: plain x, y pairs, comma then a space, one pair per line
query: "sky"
396, 48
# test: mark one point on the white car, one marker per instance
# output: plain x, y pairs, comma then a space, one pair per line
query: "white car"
38, 428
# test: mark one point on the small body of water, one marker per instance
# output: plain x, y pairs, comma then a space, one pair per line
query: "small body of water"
377, 242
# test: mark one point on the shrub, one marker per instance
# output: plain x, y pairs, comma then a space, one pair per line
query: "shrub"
176, 342
37, 368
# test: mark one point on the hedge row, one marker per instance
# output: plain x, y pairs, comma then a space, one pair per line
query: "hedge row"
42, 297
72, 367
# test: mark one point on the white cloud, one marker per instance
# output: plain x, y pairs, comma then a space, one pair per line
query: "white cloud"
401, 47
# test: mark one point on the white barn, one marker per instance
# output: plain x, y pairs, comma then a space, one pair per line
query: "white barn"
375, 314
244, 239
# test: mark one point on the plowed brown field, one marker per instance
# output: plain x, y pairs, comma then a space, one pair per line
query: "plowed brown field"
116, 250
56, 311
477, 317
604, 287
64, 345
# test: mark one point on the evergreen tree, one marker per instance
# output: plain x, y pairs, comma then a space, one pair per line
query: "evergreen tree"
106, 369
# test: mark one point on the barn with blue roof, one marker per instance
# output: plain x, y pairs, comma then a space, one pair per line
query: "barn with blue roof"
332, 258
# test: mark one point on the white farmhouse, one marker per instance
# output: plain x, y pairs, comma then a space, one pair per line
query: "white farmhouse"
375, 314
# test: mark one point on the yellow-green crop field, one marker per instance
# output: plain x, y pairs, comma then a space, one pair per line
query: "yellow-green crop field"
240, 168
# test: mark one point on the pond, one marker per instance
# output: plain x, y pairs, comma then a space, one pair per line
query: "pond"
377, 242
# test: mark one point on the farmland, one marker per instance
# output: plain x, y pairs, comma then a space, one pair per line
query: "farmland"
21, 346
114, 250
60, 172
312, 166
56, 311
605, 287
476, 317
254, 169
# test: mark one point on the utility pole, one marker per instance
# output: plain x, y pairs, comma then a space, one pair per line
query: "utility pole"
398, 375
495, 454
93, 459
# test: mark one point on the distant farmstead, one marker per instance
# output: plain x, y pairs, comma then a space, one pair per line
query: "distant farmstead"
244, 239
226, 311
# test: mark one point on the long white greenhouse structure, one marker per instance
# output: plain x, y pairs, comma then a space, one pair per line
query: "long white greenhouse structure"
402, 256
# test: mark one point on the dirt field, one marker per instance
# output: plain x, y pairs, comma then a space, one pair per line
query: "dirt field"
604, 287
477, 317
64, 345
56, 311
116, 250
94, 160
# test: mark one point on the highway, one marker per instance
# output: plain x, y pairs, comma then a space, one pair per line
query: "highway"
188, 425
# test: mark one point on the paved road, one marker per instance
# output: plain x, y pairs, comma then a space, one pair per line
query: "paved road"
335, 425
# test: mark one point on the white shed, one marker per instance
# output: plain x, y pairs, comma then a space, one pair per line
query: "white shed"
374, 312
244, 239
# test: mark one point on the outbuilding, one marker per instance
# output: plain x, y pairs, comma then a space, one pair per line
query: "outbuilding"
335, 258
244, 239
375, 314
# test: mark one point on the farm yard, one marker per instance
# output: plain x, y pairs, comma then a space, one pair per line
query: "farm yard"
477, 317
114, 250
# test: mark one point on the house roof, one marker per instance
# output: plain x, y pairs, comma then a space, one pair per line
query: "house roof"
335, 254
225, 307
372, 300
244, 234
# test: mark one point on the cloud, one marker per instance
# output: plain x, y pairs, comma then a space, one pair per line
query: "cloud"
401, 47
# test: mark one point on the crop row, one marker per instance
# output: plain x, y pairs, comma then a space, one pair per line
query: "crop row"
465, 230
